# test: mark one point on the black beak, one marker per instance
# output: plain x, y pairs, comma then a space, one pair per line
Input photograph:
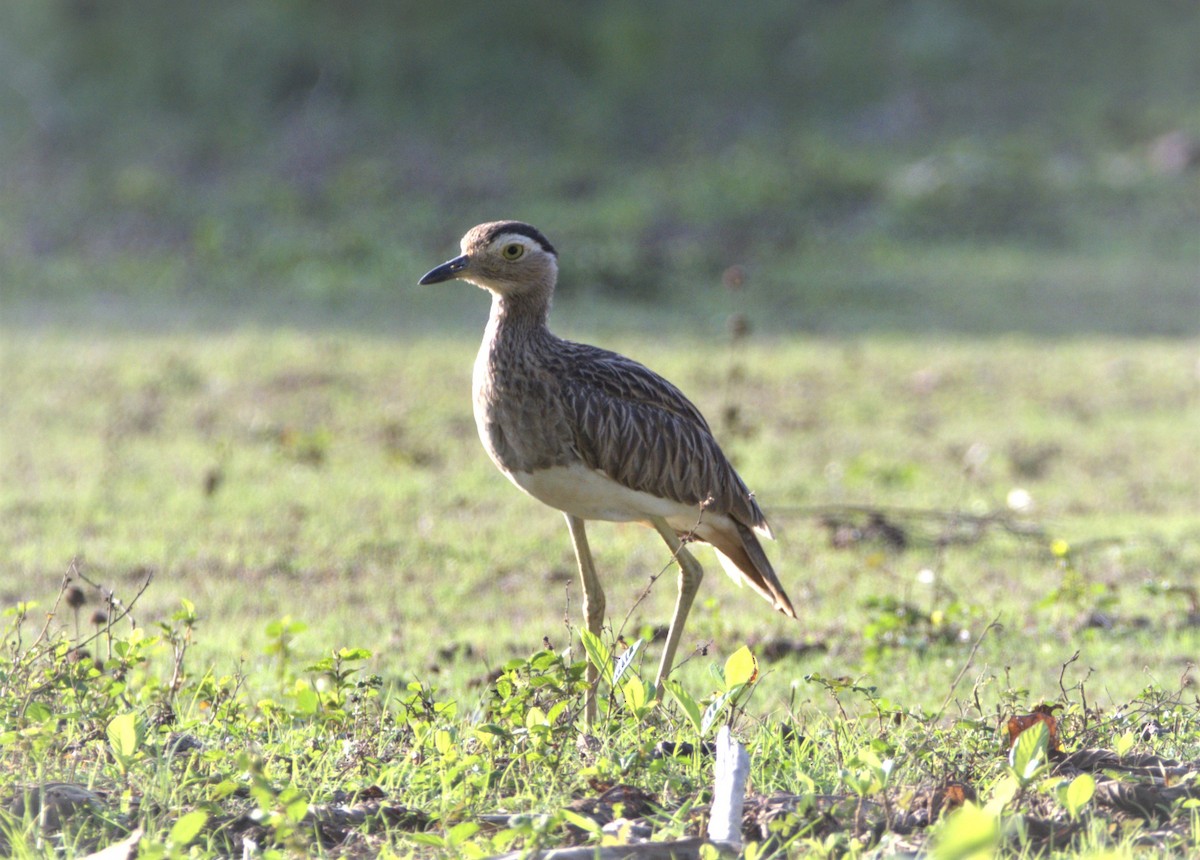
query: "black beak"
447, 271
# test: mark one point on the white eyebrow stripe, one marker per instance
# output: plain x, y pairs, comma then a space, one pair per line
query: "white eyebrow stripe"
520, 238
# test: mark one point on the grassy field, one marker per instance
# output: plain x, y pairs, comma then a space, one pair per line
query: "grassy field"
262, 593
969, 528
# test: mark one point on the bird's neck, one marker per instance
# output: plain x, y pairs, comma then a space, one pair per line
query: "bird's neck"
517, 317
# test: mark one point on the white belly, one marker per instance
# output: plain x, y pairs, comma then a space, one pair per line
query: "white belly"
592, 495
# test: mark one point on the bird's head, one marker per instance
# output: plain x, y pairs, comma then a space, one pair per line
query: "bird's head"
507, 257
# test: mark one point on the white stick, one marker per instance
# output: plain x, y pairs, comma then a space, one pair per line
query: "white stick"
729, 790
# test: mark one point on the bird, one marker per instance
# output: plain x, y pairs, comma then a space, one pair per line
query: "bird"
599, 436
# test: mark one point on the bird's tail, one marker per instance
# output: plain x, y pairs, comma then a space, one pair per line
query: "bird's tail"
742, 557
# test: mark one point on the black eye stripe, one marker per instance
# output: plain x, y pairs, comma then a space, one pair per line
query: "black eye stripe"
519, 229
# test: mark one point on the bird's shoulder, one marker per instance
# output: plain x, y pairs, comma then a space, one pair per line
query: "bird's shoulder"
602, 377
643, 432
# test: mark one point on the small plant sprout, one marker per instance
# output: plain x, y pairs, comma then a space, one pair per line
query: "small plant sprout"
737, 681
617, 675
280, 636
867, 775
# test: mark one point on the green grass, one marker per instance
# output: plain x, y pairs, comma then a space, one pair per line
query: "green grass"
334, 478
967, 241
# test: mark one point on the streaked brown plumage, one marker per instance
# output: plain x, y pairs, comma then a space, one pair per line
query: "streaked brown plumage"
598, 435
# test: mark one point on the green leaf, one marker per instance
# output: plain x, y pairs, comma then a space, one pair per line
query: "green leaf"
426, 839
296, 809
968, 833
711, 712
186, 615
1076, 795
461, 832
187, 828
223, 789
1124, 743
556, 711
307, 701
354, 653
1028, 755
597, 653
685, 700
494, 729
584, 823
740, 668
125, 735
1003, 791
634, 692
39, 712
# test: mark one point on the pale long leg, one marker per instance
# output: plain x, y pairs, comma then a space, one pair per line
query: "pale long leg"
593, 604
690, 574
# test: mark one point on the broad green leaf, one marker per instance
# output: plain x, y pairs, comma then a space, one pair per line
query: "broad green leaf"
1004, 790
307, 701
38, 712
296, 810
1075, 796
354, 653
1028, 755
461, 832
187, 828
740, 668
634, 692
556, 711
685, 700
223, 789
125, 734
597, 653
968, 833
1124, 743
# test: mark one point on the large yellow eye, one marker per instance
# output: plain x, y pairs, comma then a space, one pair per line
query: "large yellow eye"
512, 251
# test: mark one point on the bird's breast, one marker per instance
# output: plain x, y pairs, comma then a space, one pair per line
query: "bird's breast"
518, 415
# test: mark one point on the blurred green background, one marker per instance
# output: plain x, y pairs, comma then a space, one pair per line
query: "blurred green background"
925, 165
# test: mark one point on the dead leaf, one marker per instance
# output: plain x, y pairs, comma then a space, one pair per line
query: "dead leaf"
1041, 714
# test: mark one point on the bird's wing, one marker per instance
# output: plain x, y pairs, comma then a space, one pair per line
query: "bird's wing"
642, 432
